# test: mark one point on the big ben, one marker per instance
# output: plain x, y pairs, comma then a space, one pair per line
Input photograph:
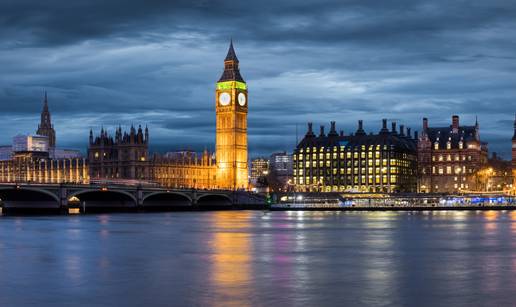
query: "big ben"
231, 131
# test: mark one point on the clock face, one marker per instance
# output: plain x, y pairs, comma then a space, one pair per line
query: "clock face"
224, 99
241, 99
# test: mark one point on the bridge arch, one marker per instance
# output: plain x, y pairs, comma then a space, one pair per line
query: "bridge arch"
214, 200
28, 198
104, 198
166, 199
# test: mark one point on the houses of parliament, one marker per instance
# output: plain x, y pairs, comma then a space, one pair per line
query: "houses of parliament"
124, 157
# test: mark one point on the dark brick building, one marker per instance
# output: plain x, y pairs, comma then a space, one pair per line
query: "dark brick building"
449, 157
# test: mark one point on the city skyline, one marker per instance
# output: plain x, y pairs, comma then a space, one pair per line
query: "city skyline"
413, 60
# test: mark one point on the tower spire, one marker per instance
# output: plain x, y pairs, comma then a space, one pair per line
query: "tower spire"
45, 126
514, 136
231, 69
231, 56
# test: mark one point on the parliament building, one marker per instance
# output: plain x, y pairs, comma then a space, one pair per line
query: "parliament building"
43, 163
126, 156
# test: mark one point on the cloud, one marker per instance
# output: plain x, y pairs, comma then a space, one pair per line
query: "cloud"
156, 62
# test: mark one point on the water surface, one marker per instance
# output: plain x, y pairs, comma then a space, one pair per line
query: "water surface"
252, 258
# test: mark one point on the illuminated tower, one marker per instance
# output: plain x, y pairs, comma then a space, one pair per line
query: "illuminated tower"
231, 139
45, 127
514, 155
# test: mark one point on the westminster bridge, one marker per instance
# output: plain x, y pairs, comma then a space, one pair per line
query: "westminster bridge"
83, 197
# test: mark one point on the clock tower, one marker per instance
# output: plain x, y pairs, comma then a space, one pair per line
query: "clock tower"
514, 155
231, 131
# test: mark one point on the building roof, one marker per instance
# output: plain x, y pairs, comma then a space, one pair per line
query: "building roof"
392, 139
231, 56
444, 134
231, 69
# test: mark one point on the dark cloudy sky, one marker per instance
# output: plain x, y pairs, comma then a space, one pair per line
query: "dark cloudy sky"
156, 62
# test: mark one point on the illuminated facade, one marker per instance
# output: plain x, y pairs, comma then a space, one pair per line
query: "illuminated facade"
231, 131
259, 168
514, 156
126, 156
37, 167
360, 162
450, 157
32, 158
184, 170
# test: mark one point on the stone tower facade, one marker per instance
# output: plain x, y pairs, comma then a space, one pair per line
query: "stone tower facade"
231, 130
514, 154
45, 127
123, 157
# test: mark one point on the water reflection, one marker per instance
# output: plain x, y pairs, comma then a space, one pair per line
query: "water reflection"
230, 263
250, 258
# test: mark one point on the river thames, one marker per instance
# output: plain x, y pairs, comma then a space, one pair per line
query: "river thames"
255, 258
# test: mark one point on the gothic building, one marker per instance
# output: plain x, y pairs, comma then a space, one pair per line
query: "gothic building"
231, 130
360, 162
514, 155
123, 157
46, 127
450, 157
126, 155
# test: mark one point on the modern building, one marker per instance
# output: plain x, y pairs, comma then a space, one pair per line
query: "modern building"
281, 169
449, 157
23, 142
259, 169
360, 162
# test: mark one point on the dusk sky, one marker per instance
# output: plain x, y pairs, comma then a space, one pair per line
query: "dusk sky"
157, 62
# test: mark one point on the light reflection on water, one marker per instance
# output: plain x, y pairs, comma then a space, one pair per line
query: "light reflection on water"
249, 258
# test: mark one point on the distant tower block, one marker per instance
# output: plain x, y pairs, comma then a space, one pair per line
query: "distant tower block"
231, 131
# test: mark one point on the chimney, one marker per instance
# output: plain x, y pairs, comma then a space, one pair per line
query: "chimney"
333, 131
393, 126
402, 130
455, 123
416, 136
310, 132
409, 134
322, 131
425, 124
384, 126
341, 132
